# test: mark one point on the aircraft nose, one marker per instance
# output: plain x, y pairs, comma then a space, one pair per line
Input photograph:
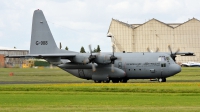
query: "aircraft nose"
175, 68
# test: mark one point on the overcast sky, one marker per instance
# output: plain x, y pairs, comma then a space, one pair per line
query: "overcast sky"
77, 23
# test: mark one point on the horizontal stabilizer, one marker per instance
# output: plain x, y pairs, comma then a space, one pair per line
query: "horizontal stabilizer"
63, 56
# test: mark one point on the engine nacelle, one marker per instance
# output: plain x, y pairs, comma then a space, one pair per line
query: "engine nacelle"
103, 59
81, 58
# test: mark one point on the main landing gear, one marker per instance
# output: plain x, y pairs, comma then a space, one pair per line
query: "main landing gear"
161, 79
113, 80
99, 81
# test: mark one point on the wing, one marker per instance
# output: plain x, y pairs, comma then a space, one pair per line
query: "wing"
185, 53
63, 56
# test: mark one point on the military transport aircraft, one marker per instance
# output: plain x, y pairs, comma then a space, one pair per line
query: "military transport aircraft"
100, 67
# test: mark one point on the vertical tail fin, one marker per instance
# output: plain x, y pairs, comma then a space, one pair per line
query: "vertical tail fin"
42, 41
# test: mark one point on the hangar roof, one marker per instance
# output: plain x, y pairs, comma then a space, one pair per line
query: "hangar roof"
172, 25
10, 49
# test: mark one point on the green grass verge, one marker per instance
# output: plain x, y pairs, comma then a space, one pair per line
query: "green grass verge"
101, 97
187, 87
56, 75
39, 75
181, 93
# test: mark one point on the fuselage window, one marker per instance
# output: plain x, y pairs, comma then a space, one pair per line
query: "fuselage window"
163, 64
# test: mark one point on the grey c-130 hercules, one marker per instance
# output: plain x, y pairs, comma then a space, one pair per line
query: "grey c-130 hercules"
100, 67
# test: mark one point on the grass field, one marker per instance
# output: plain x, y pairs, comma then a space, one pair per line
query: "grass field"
56, 75
41, 75
64, 92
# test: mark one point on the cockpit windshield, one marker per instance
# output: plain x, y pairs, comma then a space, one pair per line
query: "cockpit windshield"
167, 58
163, 58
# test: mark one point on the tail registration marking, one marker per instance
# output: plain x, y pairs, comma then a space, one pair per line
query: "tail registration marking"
41, 42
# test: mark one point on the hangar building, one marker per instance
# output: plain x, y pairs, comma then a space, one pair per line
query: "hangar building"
154, 33
11, 62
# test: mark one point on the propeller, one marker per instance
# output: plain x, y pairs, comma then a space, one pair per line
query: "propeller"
173, 55
91, 59
157, 49
149, 50
112, 59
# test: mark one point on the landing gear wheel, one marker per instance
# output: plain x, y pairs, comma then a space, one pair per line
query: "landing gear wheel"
115, 80
106, 81
97, 81
161, 79
123, 80
164, 79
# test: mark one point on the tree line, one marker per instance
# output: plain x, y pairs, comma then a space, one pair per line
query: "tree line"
82, 50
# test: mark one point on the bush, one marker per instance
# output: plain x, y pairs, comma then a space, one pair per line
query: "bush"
41, 63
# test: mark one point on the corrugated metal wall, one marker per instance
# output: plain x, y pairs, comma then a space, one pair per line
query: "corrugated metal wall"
154, 33
12, 62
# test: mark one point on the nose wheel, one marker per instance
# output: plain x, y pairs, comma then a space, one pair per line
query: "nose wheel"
161, 79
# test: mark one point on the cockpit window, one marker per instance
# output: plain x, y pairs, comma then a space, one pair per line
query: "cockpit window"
161, 58
167, 58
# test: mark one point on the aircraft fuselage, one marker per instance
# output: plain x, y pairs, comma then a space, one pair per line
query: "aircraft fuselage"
129, 66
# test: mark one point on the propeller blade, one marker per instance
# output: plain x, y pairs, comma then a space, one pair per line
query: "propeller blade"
113, 49
157, 49
93, 67
90, 48
169, 47
112, 67
148, 49
91, 58
113, 58
177, 50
